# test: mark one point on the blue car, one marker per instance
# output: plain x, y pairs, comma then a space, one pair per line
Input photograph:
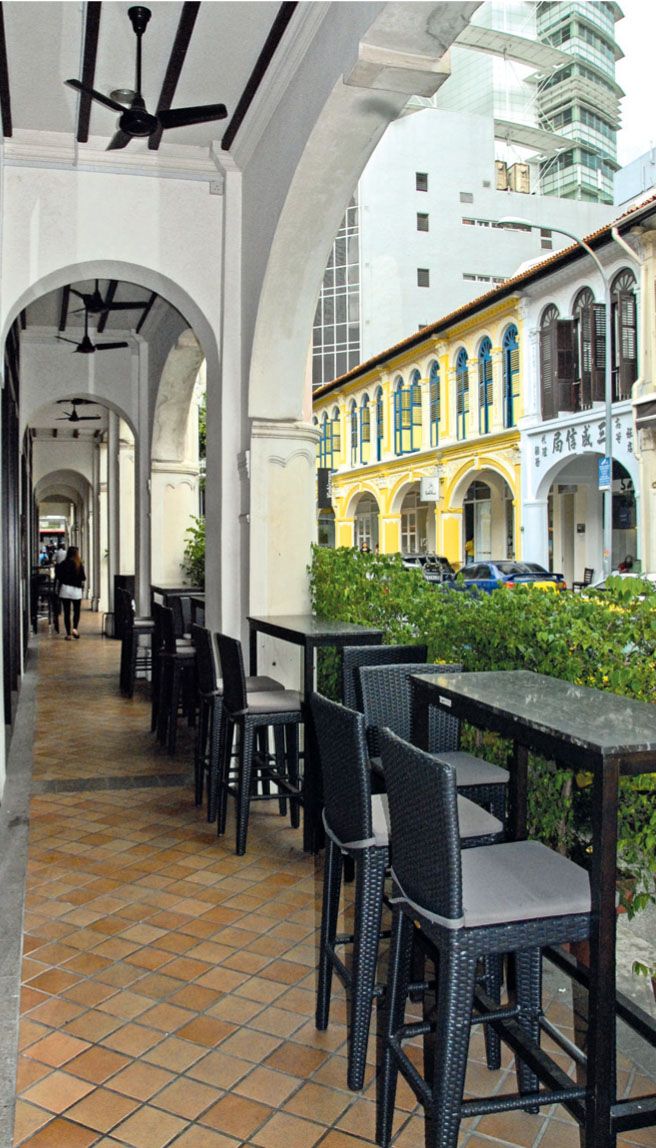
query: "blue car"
488, 576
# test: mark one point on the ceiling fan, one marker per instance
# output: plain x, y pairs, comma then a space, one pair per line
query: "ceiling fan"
73, 416
96, 305
136, 121
86, 347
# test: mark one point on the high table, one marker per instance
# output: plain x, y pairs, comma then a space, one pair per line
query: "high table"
310, 633
581, 729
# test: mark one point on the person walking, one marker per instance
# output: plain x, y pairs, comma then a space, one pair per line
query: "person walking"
70, 580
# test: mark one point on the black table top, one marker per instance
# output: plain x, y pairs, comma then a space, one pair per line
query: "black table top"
306, 626
174, 588
601, 725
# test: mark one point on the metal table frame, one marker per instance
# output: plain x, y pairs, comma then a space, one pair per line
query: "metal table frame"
463, 695
310, 634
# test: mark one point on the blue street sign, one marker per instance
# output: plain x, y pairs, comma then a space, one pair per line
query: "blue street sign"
604, 473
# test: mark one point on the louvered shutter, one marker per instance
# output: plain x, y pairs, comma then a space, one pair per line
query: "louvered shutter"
547, 357
598, 353
511, 394
628, 364
565, 397
484, 393
585, 356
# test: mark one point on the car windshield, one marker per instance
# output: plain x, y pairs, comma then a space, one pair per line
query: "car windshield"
520, 568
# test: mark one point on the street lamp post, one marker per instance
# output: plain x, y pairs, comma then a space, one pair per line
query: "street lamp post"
607, 554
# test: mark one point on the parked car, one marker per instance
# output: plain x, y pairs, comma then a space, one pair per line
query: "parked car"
488, 576
434, 567
601, 584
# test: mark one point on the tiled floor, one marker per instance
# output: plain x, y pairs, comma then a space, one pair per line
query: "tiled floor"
168, 993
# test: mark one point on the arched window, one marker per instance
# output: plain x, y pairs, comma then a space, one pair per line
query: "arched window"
462, 394
589, 348
415, 411
510, 350
380, 426
353, 418
365, 430
485, 396
407, 415
624, 354
548, 361
434, 402
336, 436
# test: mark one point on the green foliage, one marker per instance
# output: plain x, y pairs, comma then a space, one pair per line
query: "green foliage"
604, 640
202, 426
193, 562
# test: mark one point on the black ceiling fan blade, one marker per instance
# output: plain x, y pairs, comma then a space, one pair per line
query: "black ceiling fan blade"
109, 103
64, 419
183, 117
119, 139
126, 305
110, 346
63, 339
87, 418
76, 402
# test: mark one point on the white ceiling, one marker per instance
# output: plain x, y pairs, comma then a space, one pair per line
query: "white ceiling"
45, 45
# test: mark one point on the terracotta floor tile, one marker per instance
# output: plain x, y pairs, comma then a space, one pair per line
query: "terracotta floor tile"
317, 1102
268, 1086
56, 1011
187, 1098
236, 1116
296, 1059
251, 1045
90, 993
149, 1128
174, 1054
205, 1138
93, 1025
61, 1133
97, 1064
54, 981
58, 1091
206, 1030
282, 1130
101, 1110
219, 1069
517, 1127
28, 1072
132, 1039
56, 1049
166, 1017
27, 1119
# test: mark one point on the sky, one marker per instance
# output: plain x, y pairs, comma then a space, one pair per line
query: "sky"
636, 74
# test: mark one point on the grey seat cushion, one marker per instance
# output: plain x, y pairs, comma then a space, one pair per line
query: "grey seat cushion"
261, 683
274, 701
471, 770
520, 881
475, 821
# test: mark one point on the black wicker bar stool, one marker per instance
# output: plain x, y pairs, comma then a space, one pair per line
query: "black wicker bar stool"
253, 714
176, 679
515, 897
386, 701
210, 708
356, 825
356, 656
136, 643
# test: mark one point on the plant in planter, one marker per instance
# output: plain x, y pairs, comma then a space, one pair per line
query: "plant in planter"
193, 562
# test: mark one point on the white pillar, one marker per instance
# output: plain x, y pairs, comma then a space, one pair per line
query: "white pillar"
126, 498
113, 505
535, 532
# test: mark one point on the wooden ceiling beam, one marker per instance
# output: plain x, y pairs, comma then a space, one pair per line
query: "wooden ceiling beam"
174, 66
5, 96
89, 54
63, 314
285, 13
109, 298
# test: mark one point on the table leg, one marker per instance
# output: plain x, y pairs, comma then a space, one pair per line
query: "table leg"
313, 836
601, 1022
518, 792
252, 651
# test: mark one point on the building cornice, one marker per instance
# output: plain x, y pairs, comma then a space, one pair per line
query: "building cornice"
56, 151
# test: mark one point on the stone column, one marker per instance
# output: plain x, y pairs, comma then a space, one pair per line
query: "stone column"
126, 499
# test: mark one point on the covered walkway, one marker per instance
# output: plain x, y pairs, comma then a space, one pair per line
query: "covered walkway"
167, 985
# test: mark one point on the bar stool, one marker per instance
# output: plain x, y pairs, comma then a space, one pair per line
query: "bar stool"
252, 714
356, 824
356, 656
136, 656
210, 708
386, 701
515, 897
176, 680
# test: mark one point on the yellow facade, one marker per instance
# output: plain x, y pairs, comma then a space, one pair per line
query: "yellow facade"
376, 483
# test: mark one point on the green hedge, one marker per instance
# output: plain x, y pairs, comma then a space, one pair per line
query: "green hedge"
607, 641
